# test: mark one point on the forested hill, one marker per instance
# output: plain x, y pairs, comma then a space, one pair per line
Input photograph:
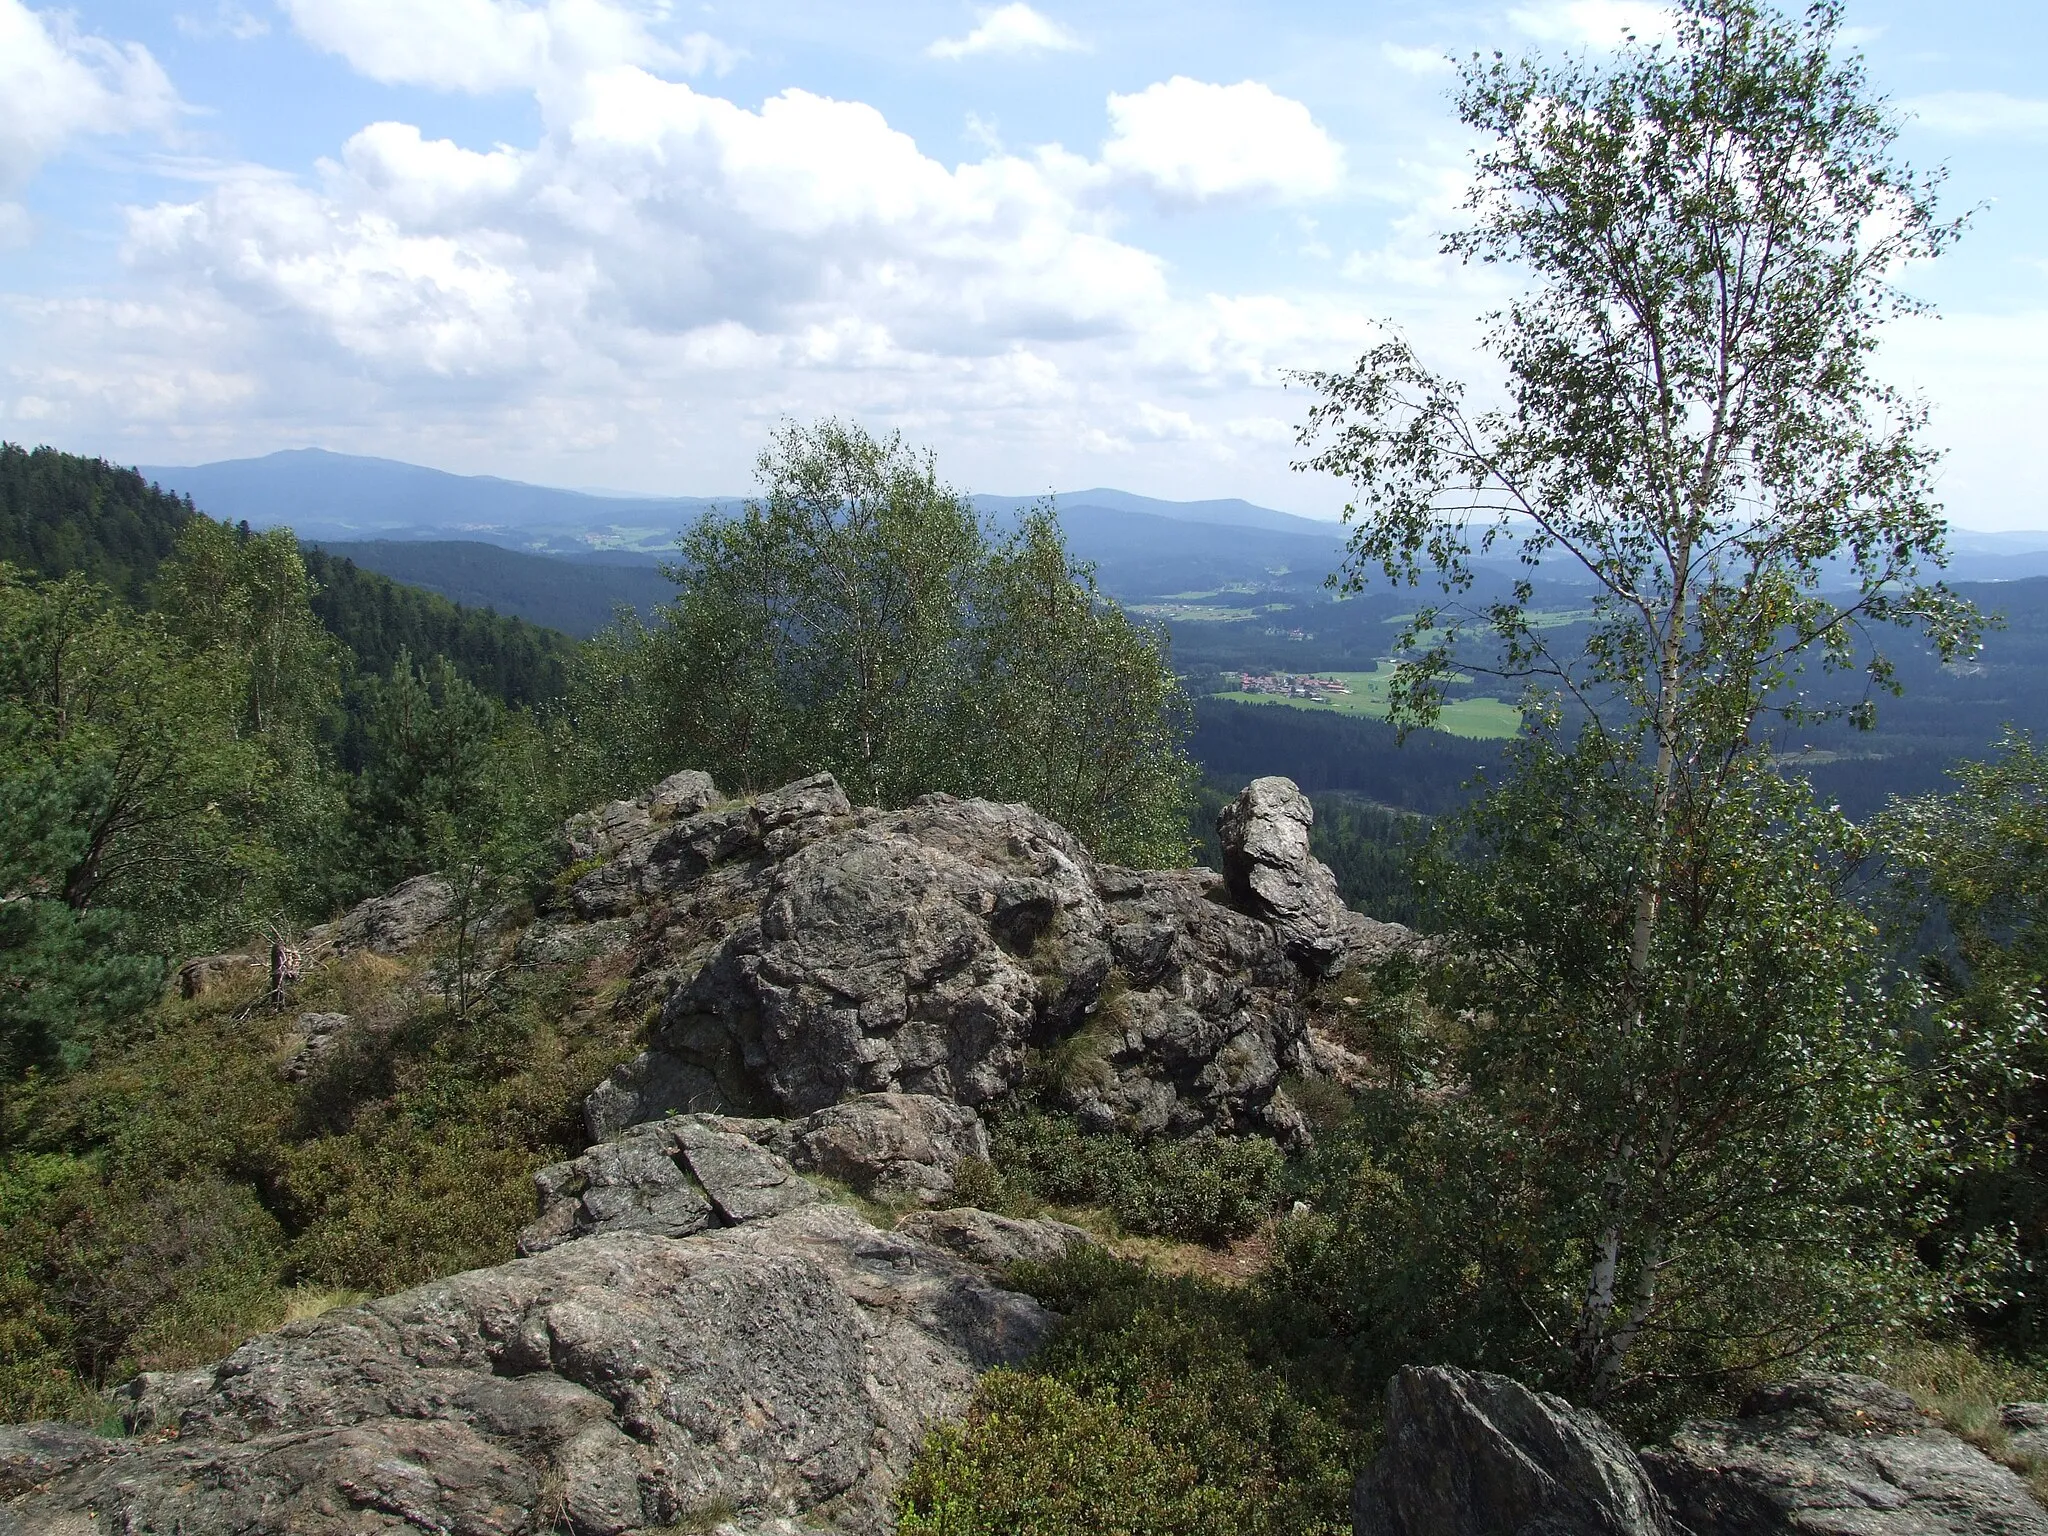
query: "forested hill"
376, 617
62, 513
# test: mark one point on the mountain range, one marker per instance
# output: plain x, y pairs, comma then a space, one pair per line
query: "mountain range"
326, 495
1144, 546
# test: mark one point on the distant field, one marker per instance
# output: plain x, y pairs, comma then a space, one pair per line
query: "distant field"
1474, 719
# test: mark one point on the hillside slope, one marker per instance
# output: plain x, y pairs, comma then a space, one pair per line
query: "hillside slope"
576, 596
61, 513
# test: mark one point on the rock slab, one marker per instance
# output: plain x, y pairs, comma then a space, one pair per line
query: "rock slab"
1840, 1454
1468, 1453
784, 1369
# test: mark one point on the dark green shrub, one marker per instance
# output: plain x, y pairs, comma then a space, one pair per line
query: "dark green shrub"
1164, 1407
158, 1206
1207, 1188
1036, 1458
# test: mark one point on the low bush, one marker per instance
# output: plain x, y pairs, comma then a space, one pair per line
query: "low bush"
1165, 1406
178, 1194
1206, 1188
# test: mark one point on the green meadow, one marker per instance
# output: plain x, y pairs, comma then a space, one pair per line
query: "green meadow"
1479, 719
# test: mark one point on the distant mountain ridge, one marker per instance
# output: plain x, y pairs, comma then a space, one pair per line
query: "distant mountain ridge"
326, 495
348, 496
1144, 545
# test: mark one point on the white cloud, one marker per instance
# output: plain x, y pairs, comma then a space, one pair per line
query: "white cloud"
1261, 429
1416, 61
1978, 112
1015, 28
1981, 373
1192, 141
58, 84
643, 287
494, 45
1596, 23
652, 216
1160, 425
227, 20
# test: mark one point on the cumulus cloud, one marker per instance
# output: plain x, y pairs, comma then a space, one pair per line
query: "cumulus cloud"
809, 230
1015, 28
494, 45
1192, 141
659, 273
58, 84
1978, 112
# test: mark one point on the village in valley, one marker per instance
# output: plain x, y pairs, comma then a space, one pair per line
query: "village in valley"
1292, 685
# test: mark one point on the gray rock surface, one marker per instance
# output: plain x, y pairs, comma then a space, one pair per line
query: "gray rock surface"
686, 1173
32, 1456
812, 953
1844, 1455
1472, 1454
992, 1241
312, 1038
682, 794
388, 924
786, 1367
1270, 873
669, 1178
661, 858
890, 1146
651, 1085
604, 831
2027, 1426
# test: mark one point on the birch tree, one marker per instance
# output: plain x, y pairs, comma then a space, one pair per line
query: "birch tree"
858, 616
1712, 231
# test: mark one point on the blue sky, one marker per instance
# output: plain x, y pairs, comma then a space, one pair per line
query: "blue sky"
611, 242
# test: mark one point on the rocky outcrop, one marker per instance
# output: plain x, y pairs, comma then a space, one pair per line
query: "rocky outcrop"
1836, 1455
889, 1146
802, 952
994, 1242
1472, 1454
1839, 1454
670, 1178
685, 1173
815, 953
1270, 873
387, 924
776, 1367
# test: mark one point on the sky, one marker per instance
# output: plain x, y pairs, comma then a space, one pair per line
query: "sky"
611, 243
